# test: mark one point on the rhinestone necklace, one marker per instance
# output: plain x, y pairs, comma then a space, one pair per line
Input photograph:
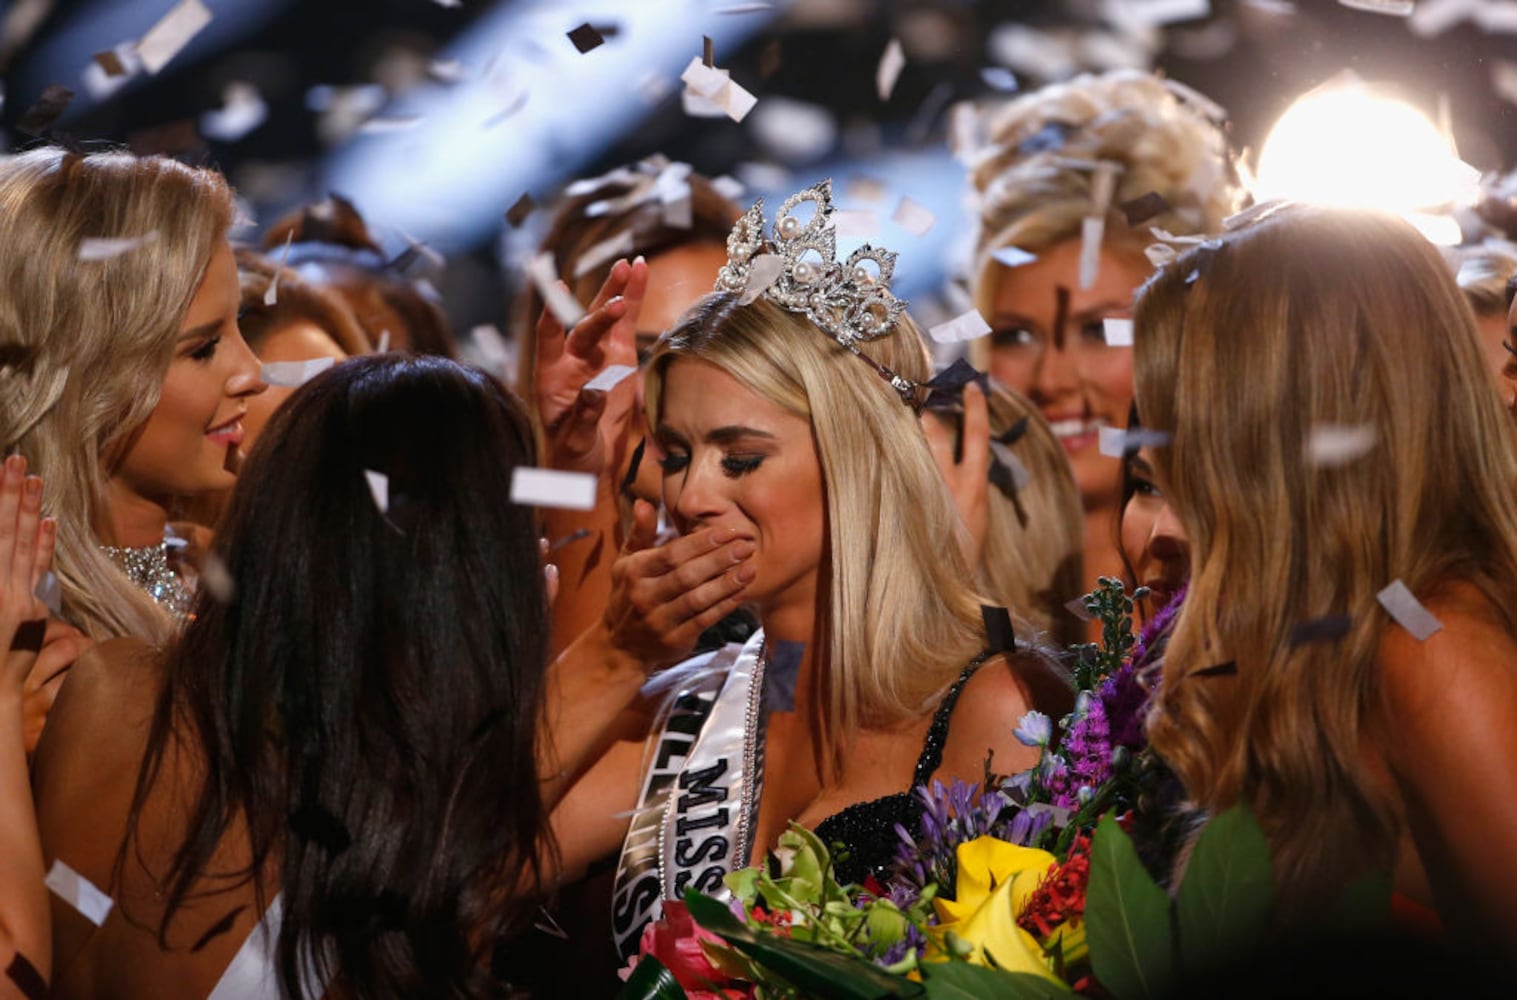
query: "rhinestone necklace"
148, 567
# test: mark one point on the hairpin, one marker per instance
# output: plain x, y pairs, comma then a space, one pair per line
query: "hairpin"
798, 270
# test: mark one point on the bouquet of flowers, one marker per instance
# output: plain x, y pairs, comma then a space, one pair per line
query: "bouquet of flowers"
1023, 886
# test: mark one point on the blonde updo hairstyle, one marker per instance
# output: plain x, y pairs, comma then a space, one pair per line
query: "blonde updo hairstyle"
1034, 183
1308, 318
899, 615
85, 345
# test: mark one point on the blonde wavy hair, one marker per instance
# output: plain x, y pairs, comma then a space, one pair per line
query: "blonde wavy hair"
85, 345
899, 615
1033, 557
1034, 183
1313, 317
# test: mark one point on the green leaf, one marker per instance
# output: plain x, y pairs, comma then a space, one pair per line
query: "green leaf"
815, 971
651, 981
1126, 919
962, 981
1228, 890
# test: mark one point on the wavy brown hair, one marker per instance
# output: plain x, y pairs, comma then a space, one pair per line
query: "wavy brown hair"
1309, 318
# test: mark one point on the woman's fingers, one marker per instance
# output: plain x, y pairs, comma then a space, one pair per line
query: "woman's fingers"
28, 524
976, 453
940, 444
586, 340
614, 285
578, 433
12, 485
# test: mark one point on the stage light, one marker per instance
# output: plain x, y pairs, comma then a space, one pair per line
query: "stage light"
1349, 145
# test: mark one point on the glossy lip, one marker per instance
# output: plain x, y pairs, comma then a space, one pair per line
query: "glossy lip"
228, 431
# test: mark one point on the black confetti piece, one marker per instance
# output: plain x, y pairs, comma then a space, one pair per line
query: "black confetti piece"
1144, 208
1014, 433
569, 539
26, 977
1228, 669
48, 109
708, 51
314, 823
29, 636
1001, 477
217, 929
1050, 137
517, 213
1327, 629
634, 465
1000, 635
946, 388
780, 675
110, 63
586, 38
166, 140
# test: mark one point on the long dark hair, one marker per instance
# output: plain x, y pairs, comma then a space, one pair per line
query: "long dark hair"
368, 695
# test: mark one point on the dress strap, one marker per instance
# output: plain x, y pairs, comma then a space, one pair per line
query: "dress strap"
937, 733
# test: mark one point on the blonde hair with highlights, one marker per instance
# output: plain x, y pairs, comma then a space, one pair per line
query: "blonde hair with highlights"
898, 615
1035, 194
1309, 318
86, 344
1033, 558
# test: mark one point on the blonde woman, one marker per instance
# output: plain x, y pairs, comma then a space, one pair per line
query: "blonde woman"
785, 420
125, 378
1295, 682
1072, 180
1029, 543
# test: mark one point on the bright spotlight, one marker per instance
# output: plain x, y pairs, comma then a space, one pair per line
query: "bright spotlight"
1344, 144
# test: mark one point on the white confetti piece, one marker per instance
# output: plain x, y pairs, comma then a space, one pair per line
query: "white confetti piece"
50, 592
867, 189
384, 342
271, 296
1012, 256
172, 33
379, 489
448, 71
855, 223
1331, 445
604, 252
1393, 8
106, 248
1497, 17
560, 302
610, 377
913, 217
242, 111
1115, 442
1118, 332
1157, 13
743, 8
717, 88
764, 271
293, 374
216, 578
728, 187
1409, 612
794, 131
965, 326
892, 61
1092, 231
111, 70
388, 124
1434, 17
552, 488
79, 892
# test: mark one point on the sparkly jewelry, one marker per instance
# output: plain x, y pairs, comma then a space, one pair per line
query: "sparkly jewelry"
148, 567
799, 271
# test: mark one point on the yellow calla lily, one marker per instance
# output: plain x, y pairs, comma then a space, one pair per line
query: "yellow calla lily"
995, 880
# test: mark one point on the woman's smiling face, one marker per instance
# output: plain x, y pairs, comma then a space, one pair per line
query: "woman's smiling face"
733, 459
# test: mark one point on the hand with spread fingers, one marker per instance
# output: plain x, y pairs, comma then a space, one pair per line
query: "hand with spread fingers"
968, 478
583, 425
663, 597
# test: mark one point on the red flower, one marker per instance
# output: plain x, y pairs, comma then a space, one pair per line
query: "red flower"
676, 942
1060, 897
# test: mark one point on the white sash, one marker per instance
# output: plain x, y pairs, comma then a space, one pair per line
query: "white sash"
701, 784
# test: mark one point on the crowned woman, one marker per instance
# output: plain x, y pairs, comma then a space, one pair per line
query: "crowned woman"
783, 410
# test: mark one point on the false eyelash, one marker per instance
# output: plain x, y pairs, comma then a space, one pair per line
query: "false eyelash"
1510, 349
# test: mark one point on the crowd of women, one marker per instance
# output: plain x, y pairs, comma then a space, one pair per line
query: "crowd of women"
329, 714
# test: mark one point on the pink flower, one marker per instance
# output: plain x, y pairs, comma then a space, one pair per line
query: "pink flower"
676, 941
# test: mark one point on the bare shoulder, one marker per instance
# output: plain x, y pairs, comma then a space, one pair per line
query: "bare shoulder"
991, 703
107, 698
1472, 656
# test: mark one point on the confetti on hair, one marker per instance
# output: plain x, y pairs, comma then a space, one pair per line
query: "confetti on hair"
1000, 634
1144, 208
1118, 442
1010, 256
172, 33
242, 111
1329, 628
709, 89
1329, 446
379, 489
533, 487
47, 109
1410, 613
892, 61
94, 249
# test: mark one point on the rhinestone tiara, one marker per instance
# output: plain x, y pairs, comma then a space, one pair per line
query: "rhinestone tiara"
797, 268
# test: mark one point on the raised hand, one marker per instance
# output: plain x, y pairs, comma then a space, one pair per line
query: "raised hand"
582, 425
969, 478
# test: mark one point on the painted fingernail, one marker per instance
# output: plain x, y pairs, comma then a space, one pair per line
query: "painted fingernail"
33, 487
639, 259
